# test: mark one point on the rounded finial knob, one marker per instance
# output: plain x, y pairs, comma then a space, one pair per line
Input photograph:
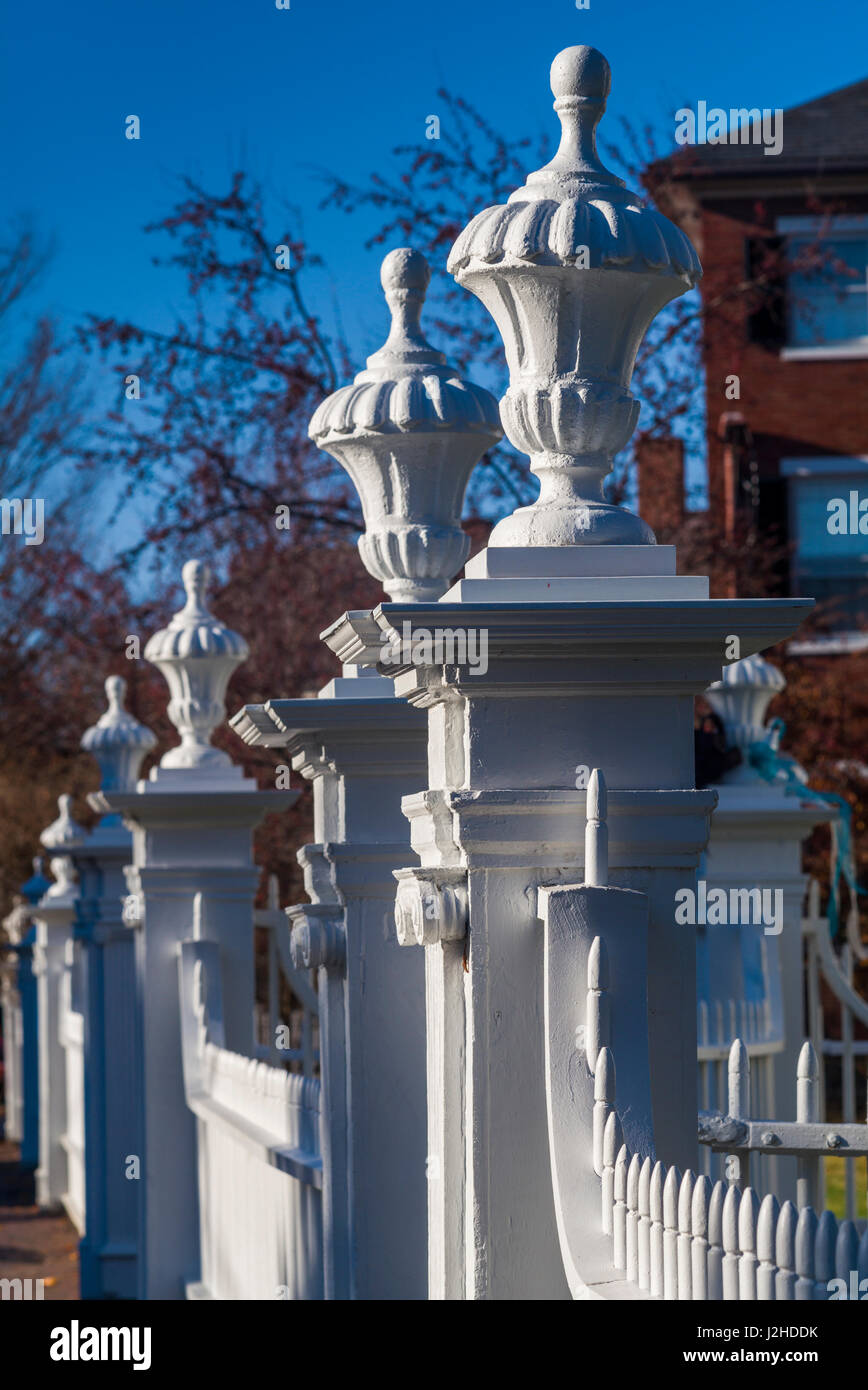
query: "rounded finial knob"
581, 72
405, 269
196, 576
405, 276
115, 691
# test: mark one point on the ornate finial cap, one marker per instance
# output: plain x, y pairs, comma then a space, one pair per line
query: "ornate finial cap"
407, 384
542, 264
409, 431
196, 655
36, 886
117, 740
64, 888
63, 833
740, 699
194, 632
574, 210
14, 926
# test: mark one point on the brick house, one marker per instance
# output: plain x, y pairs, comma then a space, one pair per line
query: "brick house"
784, 243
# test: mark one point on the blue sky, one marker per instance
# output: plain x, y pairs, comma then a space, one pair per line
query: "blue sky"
335, 84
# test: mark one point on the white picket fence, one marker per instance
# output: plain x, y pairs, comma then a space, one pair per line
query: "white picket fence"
676, 1235
824, 966
260, 1157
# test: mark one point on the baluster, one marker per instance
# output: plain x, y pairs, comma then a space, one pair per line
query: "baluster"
633, 1219
748, 1213
862, 1264
848, 1084
597, 1002
824, 1255
612, 1141
730, 1244
765, 1248
699, 1247
806, 1239
670, 1233
715, 1241
619, 1214
807, 1112
685, 1202
645, 1225
785, 1253
658, 1177
846, 1251
738, 1106
604, 1102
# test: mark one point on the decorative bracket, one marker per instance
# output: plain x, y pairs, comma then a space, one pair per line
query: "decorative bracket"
431, 906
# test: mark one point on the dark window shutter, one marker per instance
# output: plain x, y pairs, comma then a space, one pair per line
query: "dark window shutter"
766, 322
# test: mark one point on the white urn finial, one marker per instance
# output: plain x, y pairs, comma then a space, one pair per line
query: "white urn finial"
64, 887
573, 269
409, 432
36, 886
118, 741
196, 654
740, 700
62, 833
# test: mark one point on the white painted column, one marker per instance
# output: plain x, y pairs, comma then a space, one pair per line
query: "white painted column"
108, 1252
192, 823
27, 1047
13, 929
408, 431
571, 643
54, 916
362, 749
757, 835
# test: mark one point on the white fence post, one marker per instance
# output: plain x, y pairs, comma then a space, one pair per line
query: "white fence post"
578, 675
13, 930
54, 916
24, 1028
112, 1114
408, 431
757, 831
192, 824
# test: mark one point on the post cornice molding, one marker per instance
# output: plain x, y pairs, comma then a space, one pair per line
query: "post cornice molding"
670, 645
194, 810
289, 723
522, 826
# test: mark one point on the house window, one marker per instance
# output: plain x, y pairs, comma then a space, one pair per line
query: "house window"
829, 552
827, 286
828, 303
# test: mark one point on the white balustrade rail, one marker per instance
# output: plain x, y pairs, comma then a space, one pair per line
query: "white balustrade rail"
260, 1163
824, 966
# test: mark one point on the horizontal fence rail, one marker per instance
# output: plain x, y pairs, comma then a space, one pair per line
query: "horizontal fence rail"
260, 1157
